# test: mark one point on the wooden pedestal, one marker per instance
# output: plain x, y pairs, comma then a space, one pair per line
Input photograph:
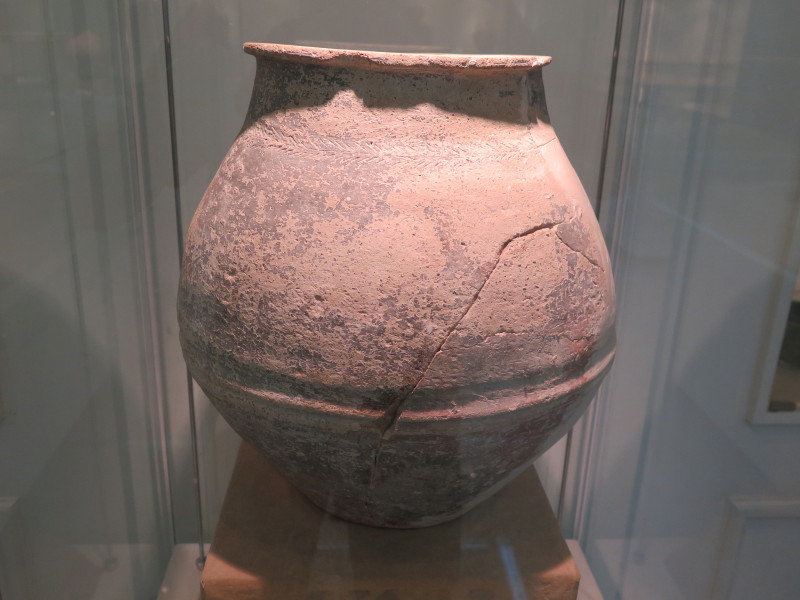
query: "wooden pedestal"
273, 544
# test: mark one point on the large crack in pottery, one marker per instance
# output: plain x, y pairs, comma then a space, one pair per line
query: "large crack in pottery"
577, 251
396, 409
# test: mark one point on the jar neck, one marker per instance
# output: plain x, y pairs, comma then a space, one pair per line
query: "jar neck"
513, 97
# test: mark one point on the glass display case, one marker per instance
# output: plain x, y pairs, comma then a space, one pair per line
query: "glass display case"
681, 121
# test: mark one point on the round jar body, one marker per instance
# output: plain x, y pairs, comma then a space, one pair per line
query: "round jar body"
395, 286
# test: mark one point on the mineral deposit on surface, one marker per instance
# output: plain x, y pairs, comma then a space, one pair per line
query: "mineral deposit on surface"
395, 286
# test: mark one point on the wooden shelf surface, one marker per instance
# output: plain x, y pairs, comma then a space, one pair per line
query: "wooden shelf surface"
271, 543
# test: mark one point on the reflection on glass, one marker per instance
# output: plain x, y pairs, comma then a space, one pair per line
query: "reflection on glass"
706, 209
82, 513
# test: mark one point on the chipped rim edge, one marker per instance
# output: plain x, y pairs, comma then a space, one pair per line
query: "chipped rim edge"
367, 59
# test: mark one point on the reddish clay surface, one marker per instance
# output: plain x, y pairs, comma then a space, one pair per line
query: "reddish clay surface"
395, 286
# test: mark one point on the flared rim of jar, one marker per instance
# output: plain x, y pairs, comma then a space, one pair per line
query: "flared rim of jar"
380, 60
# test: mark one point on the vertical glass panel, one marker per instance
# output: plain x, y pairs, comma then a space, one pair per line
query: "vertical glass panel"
82, 505
707, 208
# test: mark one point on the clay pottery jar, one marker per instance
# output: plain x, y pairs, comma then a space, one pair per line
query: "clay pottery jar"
395, 286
